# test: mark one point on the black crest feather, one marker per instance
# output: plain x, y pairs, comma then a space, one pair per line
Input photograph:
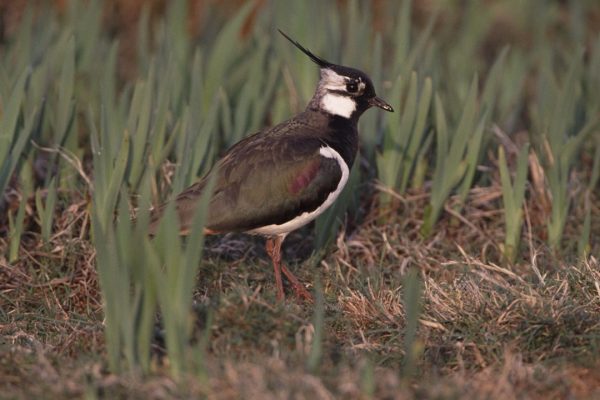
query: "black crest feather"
316, 59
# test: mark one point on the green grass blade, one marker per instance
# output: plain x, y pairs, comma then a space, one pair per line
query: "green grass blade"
225, 48
513, 196
10, 114
313, 362
66, 83
48, 213
412, 288
15, 224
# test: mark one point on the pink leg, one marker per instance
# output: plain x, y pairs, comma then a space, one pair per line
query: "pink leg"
274, 250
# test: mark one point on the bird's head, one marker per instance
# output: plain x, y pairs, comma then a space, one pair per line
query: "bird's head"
342, 91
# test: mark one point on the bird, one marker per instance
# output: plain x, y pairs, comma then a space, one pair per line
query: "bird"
283, 177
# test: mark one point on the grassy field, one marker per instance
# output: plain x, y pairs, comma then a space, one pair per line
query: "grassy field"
461, 262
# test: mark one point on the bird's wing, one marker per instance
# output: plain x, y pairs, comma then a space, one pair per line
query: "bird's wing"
262, 180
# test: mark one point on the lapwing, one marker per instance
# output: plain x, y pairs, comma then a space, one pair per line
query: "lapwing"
281, 178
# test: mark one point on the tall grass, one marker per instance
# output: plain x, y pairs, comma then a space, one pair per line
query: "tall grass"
407, 136
560, 130
513, 197
62, 92
457, 153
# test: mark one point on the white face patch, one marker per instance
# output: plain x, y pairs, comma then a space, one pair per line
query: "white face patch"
338, 105
332, 80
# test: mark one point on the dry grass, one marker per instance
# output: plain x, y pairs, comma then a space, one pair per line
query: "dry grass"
487, 330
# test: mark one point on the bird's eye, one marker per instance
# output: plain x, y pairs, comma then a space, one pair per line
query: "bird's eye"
351, 87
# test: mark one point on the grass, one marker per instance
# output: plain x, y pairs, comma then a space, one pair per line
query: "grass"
460, 262
534, 326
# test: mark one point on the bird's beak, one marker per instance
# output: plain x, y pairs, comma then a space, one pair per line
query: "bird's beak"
377, 102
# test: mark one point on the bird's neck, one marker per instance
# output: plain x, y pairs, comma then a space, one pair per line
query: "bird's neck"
338, 132
343, 137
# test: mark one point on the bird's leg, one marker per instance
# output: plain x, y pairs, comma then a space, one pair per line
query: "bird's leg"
273, 246
299, 288
274, 251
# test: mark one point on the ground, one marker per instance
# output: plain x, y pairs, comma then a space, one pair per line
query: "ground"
486, 329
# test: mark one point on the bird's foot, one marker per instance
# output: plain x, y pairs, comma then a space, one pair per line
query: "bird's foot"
303, 294
299, 289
